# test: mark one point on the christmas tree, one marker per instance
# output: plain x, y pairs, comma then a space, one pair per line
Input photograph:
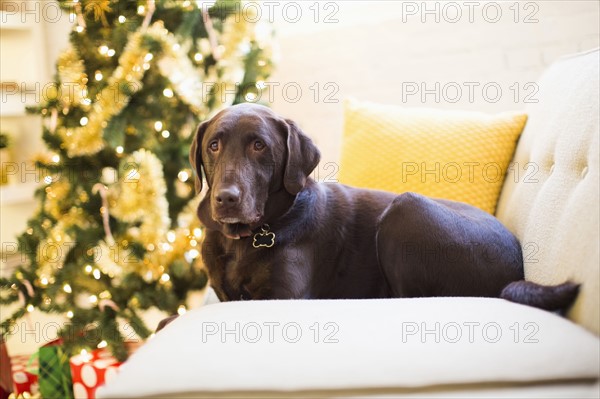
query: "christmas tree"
116, 233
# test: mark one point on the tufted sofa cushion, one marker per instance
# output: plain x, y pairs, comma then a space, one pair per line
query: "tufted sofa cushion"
430, 347
550, 196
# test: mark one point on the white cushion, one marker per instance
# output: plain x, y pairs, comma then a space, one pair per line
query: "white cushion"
360, 345
550, 196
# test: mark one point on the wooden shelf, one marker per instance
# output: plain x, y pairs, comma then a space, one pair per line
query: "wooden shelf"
17, 193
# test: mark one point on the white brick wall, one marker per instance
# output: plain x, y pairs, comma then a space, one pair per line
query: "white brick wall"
370, 53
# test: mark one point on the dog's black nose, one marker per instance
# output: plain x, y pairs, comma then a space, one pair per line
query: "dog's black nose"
228, 196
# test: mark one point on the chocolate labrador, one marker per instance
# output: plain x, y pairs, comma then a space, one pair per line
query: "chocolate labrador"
272, 232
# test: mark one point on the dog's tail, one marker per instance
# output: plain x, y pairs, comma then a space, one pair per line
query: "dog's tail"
553, 298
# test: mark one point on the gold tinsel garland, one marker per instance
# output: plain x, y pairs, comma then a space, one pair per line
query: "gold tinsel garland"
55, 247
176, 66
73, 80
56, 193
113, 260
52, 250
140, 196
235, 46
87, 139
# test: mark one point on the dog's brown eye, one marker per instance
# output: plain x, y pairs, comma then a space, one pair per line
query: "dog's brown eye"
214, 146
259, 145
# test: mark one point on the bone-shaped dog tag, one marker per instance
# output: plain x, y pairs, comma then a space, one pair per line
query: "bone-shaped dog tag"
264, 238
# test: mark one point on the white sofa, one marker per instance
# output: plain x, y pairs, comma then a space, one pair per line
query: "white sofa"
425, 347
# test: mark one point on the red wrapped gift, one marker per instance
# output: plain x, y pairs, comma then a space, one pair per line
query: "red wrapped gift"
24, 379
90, 370
5, 371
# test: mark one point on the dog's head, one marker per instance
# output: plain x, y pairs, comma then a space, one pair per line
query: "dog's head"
248, 155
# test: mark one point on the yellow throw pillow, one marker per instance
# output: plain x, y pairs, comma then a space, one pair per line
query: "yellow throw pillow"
461, 156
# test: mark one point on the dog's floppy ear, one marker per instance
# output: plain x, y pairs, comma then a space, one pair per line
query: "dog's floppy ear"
302, 158
196, 154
